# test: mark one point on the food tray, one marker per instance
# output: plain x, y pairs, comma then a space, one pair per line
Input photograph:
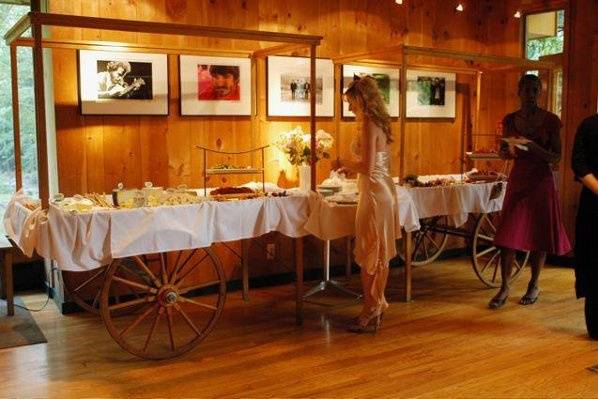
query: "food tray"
231, 171
233, 197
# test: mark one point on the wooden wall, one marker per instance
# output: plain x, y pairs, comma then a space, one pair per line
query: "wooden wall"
98, 152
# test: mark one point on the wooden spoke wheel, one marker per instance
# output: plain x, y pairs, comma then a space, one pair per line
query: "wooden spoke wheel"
86, 292
180, 298
428, 242
486, 257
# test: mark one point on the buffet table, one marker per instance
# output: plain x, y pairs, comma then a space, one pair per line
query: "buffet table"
111, 240
457, 201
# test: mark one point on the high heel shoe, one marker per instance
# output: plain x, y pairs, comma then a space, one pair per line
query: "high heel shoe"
372, 323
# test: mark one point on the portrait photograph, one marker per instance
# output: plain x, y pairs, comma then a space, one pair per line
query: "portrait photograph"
119, 83
215, 85
290, 91
388, 83
430, 94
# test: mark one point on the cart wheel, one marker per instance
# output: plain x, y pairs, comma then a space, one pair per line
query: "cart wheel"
181, 296
87, 293
428, 242
485, 256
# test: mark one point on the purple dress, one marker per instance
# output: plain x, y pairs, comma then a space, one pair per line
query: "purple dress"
531, 215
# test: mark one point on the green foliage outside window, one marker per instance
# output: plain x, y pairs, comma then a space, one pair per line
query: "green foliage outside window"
536, 48
9, 15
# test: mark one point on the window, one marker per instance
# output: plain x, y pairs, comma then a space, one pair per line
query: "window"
9, 15
544, 34
545, 37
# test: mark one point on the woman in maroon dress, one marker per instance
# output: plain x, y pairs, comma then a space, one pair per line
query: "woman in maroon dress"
531, 216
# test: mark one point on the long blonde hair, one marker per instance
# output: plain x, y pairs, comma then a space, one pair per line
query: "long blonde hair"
365, 89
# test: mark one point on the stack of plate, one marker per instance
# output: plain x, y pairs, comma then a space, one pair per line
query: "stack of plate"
326, 190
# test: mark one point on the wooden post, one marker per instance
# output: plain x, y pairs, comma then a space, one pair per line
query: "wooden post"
8, 281
348, 260
338, 107
408, 276
254, 107
16, 123
245, 267
299, 281
40, 109
403, 110
312, 112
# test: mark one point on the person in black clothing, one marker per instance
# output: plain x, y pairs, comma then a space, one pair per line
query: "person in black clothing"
585, 165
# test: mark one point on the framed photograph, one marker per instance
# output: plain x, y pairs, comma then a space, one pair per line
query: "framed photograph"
388, 82
289, 90
121, 83
430, 94
215, 85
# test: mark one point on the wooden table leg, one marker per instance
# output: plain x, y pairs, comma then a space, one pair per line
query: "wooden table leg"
8, 283
348, 260
408, 276
245, 267
299, 281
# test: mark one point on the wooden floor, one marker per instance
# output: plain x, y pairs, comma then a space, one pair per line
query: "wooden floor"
445, 343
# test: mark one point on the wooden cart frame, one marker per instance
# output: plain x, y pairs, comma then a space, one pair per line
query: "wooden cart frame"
435, 231
163, 292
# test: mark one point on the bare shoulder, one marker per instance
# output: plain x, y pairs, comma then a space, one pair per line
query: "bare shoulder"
552, 121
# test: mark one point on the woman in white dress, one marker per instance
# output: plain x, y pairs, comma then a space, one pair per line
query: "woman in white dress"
376, 222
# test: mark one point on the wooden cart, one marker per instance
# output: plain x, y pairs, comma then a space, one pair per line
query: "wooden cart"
150, 303
430, 242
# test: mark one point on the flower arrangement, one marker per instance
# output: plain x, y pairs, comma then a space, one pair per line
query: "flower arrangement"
296, 145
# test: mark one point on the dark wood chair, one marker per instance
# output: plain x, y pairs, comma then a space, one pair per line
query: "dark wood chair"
6, 254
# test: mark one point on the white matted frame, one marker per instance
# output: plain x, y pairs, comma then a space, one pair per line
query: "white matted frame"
198, 73
284, 101
388, 79
431, 94
93, 76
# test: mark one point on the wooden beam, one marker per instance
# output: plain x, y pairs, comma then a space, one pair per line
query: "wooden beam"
478, 102
298, 252
16, 123
40, 115
76, 21
312, 113
492, 59
281, 49
408, 261
428, 67
403, 113
391, 50
129, 47
17, 29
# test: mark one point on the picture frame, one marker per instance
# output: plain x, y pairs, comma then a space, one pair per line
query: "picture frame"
288, 86
215, 85
431, 94
388, 79
122, 83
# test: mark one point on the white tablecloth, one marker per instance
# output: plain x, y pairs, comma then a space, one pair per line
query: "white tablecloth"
89, 240
329, 221
457, 201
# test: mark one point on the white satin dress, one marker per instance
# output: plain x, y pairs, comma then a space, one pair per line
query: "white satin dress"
376, 221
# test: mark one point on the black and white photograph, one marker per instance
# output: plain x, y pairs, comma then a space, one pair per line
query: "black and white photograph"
430, 94
122, 80
120, 83
289, 88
